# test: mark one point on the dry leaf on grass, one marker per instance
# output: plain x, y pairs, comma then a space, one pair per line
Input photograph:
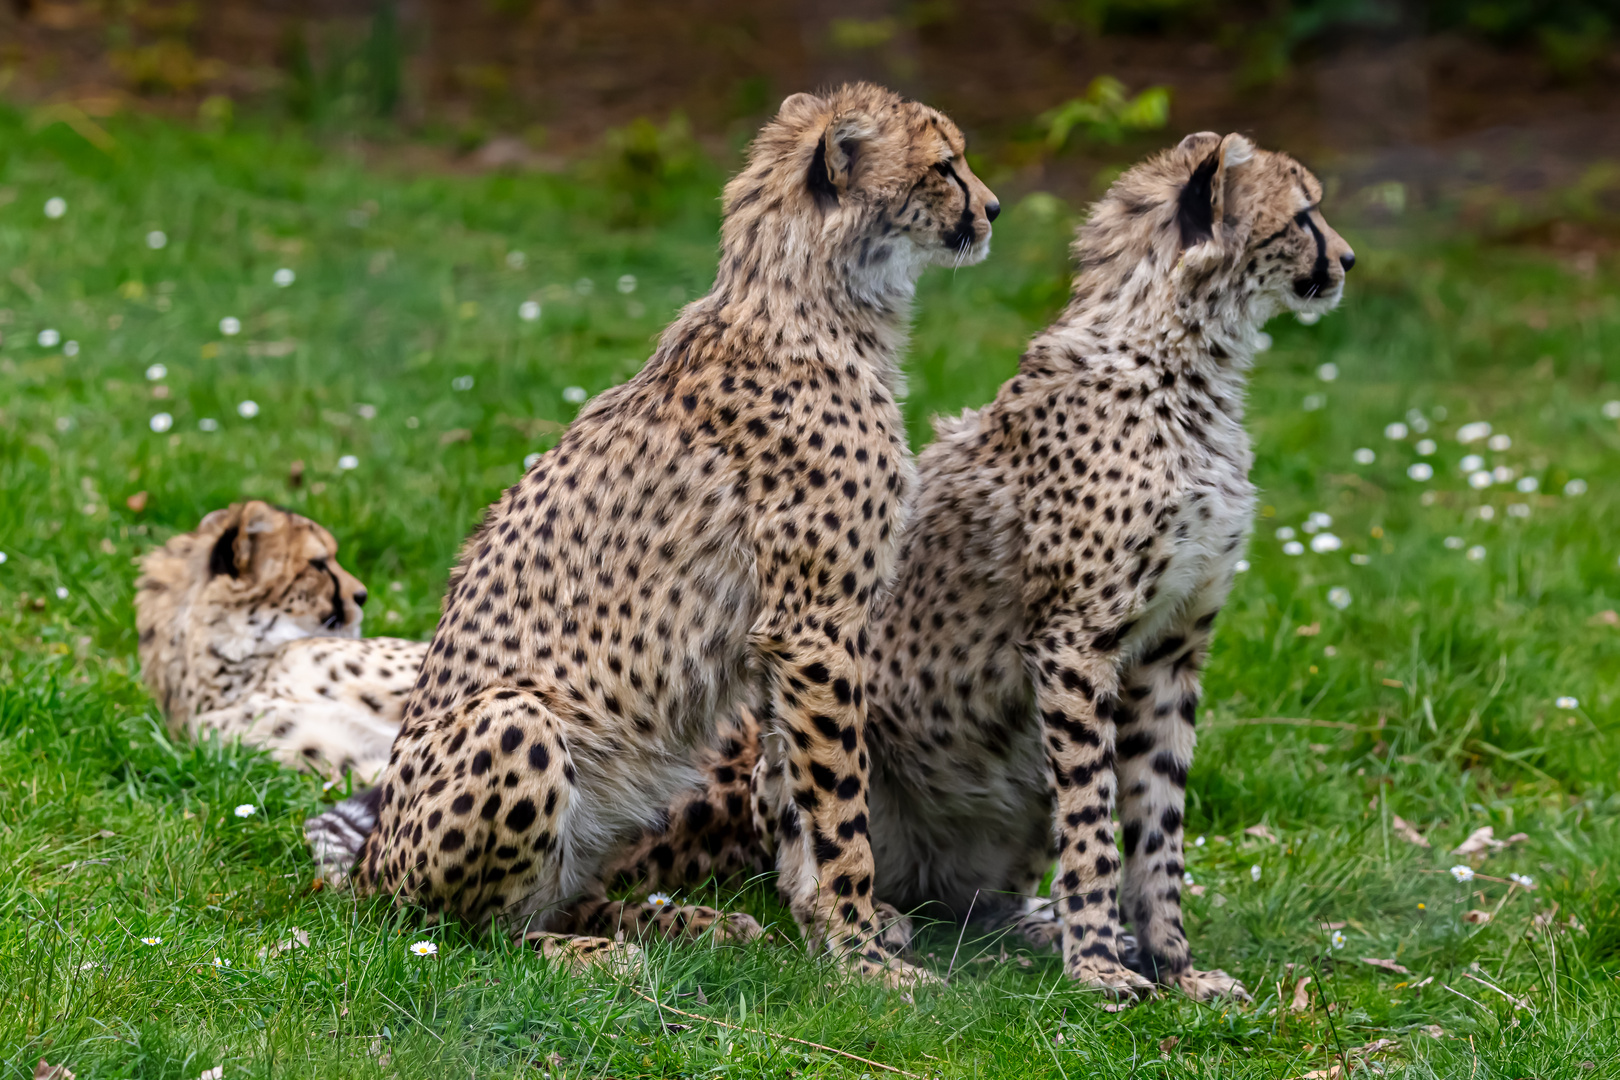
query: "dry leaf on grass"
216, 1073
1167, 1044
1477, 917
1309, 631
1387, 965
1262, 833
1407, 833
1302, 996
1605, 618
46, 1071
1480, 841
1355, 1058
299, 940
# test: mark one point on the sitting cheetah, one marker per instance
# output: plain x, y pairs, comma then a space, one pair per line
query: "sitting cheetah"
250, 628
720, 527
1071, 546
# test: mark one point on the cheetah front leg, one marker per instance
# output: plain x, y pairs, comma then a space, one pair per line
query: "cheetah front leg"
824, 854
1075, 693
1155, 751
599, 916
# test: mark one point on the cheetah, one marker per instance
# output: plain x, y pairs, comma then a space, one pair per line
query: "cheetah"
716, 531
249, 628
1070, 547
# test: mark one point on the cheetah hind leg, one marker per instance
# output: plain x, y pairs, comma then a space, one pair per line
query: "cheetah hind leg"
671, 922
581, 953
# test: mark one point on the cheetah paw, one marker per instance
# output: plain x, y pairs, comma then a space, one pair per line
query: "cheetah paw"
736, 929
896, 974
1115, 981
1209, 985
894, 929
582, 953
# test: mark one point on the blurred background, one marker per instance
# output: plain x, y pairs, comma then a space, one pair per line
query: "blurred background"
1499, 115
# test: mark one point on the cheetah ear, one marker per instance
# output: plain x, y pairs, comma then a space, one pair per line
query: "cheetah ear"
235, 551
1201, 205
837, 156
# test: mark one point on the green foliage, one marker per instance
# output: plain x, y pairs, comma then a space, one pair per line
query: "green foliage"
345, 80
1106, 114
1432, 695
645, 169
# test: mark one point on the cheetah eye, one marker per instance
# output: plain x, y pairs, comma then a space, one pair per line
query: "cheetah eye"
944, 168
319, 564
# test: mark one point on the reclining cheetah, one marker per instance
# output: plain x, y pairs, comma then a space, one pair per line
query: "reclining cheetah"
250, 628
1071, 546
723, 524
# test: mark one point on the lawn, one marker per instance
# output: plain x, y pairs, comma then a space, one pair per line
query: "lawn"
1441, 656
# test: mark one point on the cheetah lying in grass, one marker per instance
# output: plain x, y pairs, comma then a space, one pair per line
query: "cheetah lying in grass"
717, 530
250, 629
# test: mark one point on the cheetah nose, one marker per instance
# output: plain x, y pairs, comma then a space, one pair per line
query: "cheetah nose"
360, 598
991, 209
1347, 260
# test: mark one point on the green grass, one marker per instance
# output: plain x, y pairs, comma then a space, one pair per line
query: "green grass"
1430, 696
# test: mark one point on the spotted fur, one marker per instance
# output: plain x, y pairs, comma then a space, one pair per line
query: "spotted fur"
1073, 541
716, 531
250, 628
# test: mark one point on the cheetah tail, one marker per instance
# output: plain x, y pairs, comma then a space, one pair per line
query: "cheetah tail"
335, 837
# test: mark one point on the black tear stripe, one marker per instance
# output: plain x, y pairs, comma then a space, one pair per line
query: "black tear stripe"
1195, 210
334, 620
819, 180
222, 560
962, 235
1319, 269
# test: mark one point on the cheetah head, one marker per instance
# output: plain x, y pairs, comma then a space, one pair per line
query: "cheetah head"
249, 579
1235, 233
879, 184
1256, 215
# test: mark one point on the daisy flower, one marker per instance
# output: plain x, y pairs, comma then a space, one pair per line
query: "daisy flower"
627, 283
1285, 533
1471, 463
517, 260
1328, 372
1199, 842
1420, 471
55, 207
348, 461
221, 963
283, 278
1567, 702
151, 941
1463, 873
1397, 430
1426, 447
247, 410
1339, 597
461, 382
1522, 879
1293, 547
1527, 484
156, 372
161, 422
1254, 872
49, 338
61, 592
529, 311
1322, 543
1575, 487
659, 900
1365, 456
70, 348
208, 423
246, 810
1338, 939
424, 948
230, 326
574, 395
1475, 553
1241, 566
157, 239
1500, 442
1474, 432
1611, 409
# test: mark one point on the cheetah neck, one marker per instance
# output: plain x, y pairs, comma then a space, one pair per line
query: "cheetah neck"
845, 300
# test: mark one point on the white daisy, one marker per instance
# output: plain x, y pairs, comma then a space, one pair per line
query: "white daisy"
157, 239
329, 785
1568, 703
161, 422
366, 412
1313, 402
1425, 447
1293, 547
1241, 566
348, 461
221, 963
1397, 430
156, 372
1455, 543
1503, 474
1475, 553
283, 277
246, 810
1500, 443
151, 941
49, 338
70, 348
574, 395
1339, 597
1328, 372
61, 592
584, 286
2, 556
1199, 842
1187, 879
659, 900
1522, 879
1338, 939
1471, 463
1474, 432
1486, 512
1420, 471
247, 410
425, 948
1518, 510
1322, 543
516, 260
1419, 422
1527, 484
461, 382
1254, 872
1285, 533
529, 310
1361, 559
55, 207
1365, 456
1463, 873
1611, 409
230, 326
1575, 487
627, 283
208, 423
